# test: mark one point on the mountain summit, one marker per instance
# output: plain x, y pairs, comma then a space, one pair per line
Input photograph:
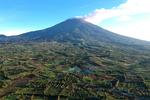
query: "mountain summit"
74, 30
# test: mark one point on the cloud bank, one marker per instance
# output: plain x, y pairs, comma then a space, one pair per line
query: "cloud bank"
14, 31
130, 18
123, 12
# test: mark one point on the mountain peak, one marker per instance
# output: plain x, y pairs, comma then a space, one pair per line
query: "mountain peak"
75, 30
76, 20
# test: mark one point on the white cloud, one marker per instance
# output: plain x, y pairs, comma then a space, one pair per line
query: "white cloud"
123, 11
124, 18
126, 21
14, 32
139, 29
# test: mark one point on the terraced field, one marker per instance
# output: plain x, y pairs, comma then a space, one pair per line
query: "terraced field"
52, 70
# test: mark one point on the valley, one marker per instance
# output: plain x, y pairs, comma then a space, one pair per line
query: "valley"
53, 70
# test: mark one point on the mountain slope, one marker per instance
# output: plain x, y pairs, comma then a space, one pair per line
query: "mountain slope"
76, 30
2, 37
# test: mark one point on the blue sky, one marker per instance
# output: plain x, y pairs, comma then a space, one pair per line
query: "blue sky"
19, 16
